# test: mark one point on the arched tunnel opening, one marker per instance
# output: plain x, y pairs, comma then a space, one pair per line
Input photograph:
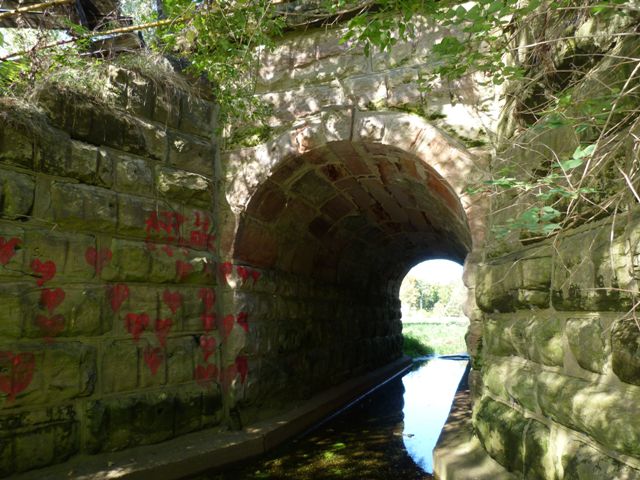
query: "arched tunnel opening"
432, 296
338, 227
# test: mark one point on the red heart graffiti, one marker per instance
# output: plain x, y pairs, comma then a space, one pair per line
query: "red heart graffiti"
227, 325
255, 275
153, 357
8, 249
162, 330
183, 269
45, 270
243, 321
208, 297
242, 366
226, 269
119, 293
208, 321
208, 345
16, 372
50, 326
205, 374
98, 258
136, 324
51, 299
173, 300
243, 272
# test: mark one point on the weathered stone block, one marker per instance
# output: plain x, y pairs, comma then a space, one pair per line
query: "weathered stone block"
71, 370
180, 359
82, 163
153, 363
583, 462
24, 364
146, 139
133, 175
625, 350
368, 92
191, 153
512, 380
496, 289
12, 248
197, 116
179, 185
500, 430
544, 341
539, 458
67, 252
131, 261
6, 455
107, 127
587, 344
11, 313
16, 145
609, 415
141, 94
82, 309
34, 449
17, 192
590, 281
133, 214
119, 366
188, 410
81, 206
167, 107
141, 300
211, 405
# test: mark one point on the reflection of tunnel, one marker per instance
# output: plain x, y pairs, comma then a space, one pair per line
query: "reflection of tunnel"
346, 220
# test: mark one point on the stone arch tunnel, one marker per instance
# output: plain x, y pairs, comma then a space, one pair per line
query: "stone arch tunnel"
157, 287
343, 206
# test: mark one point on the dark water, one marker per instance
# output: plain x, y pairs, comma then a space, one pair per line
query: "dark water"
389, 434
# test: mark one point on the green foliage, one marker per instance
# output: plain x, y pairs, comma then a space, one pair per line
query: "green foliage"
434, 338
432, 299
415, 347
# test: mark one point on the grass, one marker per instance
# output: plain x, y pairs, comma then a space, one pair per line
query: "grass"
441, 338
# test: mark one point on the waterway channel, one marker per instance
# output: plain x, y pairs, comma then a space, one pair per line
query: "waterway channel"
388, 434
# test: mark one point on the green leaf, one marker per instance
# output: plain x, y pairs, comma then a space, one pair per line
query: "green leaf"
570, 164
581, 153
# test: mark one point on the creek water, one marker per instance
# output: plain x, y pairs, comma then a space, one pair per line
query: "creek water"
388, 434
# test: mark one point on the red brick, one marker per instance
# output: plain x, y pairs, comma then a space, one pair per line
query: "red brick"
351, 158
361, 198
319, 226
334, 172
441, 189
402, 196
256, 245
337, 207
268, 203
388, 171
288, 170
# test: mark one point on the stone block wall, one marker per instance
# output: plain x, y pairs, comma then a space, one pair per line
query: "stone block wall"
313, 70
107, 272
303, 335
560, 375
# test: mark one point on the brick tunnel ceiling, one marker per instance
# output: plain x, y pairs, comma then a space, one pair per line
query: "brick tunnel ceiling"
352, 211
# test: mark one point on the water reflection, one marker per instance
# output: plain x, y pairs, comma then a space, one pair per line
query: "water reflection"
429, 391
372, 438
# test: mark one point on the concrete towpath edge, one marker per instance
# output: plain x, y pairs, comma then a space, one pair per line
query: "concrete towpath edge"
198, 452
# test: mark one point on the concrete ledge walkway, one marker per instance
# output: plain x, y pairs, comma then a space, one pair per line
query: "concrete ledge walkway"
197, 452
458, 454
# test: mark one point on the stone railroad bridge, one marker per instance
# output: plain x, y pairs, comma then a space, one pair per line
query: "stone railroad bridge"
156, 282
